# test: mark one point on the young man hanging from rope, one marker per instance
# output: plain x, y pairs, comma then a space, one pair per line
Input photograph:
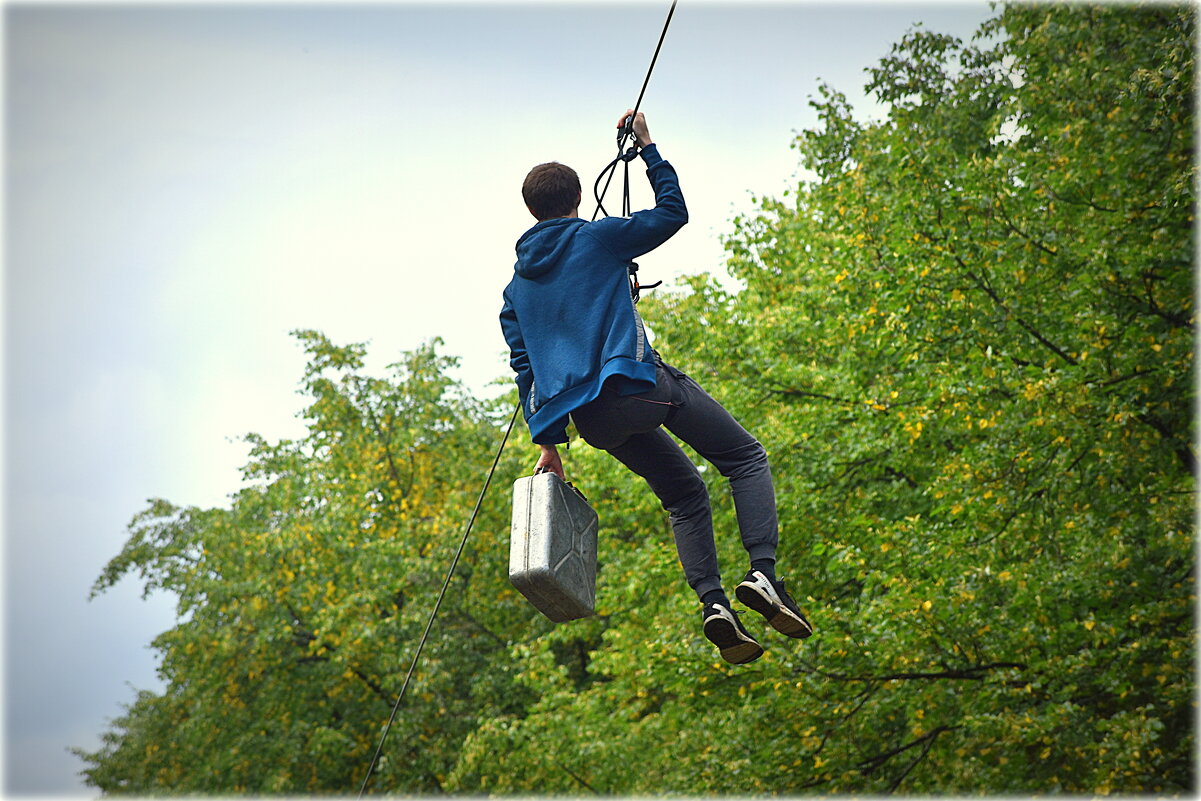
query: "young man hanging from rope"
579, 349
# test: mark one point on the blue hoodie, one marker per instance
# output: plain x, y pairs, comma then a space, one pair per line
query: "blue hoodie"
568, 316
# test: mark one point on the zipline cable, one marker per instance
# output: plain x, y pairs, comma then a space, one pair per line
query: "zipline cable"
437, 604
627, 132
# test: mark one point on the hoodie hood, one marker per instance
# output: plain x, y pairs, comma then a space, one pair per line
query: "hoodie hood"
543, 246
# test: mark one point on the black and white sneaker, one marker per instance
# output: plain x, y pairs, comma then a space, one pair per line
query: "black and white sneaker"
770, 599
724, 629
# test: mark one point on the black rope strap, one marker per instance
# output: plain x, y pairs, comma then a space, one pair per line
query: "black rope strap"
625, 134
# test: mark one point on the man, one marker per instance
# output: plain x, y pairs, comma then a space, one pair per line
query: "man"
579, 349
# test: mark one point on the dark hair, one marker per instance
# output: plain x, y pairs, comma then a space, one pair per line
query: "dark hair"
551, 190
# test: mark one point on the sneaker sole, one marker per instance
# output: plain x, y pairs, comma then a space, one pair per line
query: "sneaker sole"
731, 643
777, 615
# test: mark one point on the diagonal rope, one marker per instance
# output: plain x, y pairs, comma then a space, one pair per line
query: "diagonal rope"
655, 57
429, 625
623, 137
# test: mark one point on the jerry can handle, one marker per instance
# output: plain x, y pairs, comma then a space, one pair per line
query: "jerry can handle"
574, 488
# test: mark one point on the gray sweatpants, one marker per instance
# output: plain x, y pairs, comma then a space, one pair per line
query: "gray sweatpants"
631, 428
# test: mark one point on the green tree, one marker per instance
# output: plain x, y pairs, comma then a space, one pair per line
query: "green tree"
967, 343
300, 604
973, 336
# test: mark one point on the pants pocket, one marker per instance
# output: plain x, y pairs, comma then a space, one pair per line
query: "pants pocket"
675, 380
611, 419
646, 411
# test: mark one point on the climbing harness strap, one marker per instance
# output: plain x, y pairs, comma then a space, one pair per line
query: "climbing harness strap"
635, 287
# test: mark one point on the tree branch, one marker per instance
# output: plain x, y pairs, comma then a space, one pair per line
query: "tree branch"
1183, 450
973, 673
925, 750
576, 776
1013, 227
792, 392
992, 293
870, 764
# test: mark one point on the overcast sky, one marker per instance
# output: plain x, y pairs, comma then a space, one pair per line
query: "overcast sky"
184, 186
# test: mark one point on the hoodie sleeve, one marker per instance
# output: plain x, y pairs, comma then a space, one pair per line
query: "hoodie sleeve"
519, 359
643, 231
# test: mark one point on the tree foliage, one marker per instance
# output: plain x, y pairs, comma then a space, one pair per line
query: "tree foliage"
299, 605
967, 343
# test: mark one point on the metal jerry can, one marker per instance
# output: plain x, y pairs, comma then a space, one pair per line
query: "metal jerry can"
552, 547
